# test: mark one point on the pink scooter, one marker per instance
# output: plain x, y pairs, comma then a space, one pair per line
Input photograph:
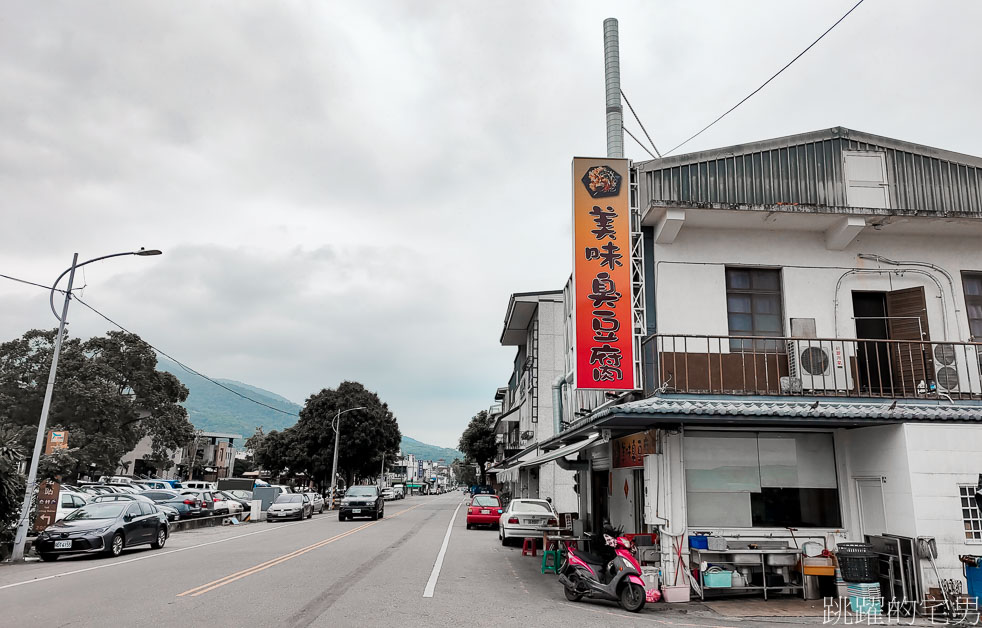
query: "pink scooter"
618, 579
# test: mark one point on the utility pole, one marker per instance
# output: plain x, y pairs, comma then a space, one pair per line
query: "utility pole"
337, 441
612, 82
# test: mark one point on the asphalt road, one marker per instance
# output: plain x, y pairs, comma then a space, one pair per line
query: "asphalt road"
319, 572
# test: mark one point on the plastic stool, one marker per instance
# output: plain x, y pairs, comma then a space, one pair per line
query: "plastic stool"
550, 565
528, 546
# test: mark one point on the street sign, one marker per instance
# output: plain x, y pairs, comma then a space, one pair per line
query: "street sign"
57, 439
47, 511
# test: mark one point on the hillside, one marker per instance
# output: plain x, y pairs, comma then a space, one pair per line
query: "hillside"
428, 452
213, 409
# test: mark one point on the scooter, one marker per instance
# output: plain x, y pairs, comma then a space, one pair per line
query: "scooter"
619, 579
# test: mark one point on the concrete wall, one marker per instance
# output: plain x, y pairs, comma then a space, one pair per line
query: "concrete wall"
876, 452
693, 268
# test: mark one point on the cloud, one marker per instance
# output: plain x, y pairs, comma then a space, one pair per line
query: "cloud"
353, 190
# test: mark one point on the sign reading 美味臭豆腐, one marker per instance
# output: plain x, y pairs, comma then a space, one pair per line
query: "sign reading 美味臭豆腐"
602, 274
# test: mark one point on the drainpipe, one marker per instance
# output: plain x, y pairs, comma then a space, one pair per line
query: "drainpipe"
612, 82
557, 404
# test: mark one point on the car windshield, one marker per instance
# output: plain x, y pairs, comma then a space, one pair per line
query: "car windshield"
537, 507
105, 510
289, 499
486, 500
241, 494
361, 491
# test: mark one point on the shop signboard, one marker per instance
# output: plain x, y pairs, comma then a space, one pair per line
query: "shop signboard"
602, 275
629, 451
57, 439
47, 511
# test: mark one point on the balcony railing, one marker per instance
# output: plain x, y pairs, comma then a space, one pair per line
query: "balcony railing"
813, 367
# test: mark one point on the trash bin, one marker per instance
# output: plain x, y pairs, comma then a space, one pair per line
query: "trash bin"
812, 591
973, 578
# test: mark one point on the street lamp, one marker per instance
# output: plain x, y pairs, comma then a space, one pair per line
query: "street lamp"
25, 511
336, 424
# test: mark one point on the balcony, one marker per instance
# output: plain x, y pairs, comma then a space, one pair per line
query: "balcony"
813, 367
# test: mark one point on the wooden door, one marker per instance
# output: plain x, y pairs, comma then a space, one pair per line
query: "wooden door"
907, 320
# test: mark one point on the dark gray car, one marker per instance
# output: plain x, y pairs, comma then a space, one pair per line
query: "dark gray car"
186, 505
362, 501
105, 527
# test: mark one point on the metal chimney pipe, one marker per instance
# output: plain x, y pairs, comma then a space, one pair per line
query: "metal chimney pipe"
612, 80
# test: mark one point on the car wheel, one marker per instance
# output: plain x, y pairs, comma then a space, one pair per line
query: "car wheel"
116, 544
381, 513
468, 526
161, 539
340, 517
46, 557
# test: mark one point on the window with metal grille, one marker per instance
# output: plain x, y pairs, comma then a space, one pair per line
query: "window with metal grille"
972, 283
753, 308
970, 514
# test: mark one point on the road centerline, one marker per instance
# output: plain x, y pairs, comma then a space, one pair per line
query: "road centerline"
438, 565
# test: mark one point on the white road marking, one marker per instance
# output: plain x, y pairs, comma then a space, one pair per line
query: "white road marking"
435, 574
144, 557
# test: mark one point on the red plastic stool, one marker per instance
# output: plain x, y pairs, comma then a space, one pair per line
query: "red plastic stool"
528, 546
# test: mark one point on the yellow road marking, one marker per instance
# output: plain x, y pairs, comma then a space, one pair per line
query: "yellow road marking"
215, 584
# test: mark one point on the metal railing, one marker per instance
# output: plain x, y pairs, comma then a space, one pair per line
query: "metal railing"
812, 367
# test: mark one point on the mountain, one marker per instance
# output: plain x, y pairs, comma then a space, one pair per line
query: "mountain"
422, 451
214, 409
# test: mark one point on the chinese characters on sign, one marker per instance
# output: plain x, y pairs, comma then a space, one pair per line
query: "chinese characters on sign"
47, 511
629, 451
602, 275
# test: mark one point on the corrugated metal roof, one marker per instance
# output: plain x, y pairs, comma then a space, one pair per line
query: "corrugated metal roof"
806, 169
806, 409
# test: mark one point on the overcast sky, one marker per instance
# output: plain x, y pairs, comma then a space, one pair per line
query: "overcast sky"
351, 190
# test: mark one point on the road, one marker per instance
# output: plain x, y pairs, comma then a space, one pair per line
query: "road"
319, 572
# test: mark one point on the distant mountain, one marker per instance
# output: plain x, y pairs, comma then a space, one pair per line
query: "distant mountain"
428, 452
214, 409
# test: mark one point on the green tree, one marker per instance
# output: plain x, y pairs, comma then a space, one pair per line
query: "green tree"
477, 441
108, 396
11, 482
465, 472
366, 435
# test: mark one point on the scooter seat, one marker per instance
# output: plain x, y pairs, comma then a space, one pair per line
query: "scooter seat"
591, 559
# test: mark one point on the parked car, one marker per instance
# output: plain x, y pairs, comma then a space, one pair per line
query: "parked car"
69, 502
477, 490
186, 505
162, 484
525, 517
221, 505
98, 489
230, 497
206, 499
388, 494
290, 506
198, 485
104, 527
484, 510
316, 501
362, 501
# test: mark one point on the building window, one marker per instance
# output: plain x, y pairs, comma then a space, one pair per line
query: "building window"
753, 308
761, 479
970, 515
972, 283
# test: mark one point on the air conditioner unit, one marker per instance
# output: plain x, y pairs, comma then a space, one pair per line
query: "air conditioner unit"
819, 365
946, 368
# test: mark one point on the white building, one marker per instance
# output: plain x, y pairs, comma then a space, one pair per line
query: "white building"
814, 307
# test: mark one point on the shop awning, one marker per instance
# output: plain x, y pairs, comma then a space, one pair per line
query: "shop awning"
562, 452
519, 459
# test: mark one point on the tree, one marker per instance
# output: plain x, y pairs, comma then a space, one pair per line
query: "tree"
366, 434
465, 472
477, 441
108, 396
11, 483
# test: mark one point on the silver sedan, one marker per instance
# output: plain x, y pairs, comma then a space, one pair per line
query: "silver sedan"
526, 517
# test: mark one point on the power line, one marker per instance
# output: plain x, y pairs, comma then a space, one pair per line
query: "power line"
185, 366
639, 142
641, 125
800, 54
172, 358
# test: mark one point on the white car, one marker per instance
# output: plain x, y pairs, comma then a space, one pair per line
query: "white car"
526, 517
69, 502
317, 501
388, 494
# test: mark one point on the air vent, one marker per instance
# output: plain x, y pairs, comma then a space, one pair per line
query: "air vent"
945, 354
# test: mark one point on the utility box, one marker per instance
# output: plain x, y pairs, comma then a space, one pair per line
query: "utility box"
265, 494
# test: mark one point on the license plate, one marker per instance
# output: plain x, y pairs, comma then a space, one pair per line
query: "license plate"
485, 512
356, 510
63, 545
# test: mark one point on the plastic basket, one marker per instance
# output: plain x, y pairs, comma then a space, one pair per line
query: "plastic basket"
698, 542
859, 568
718, 579
864, 605
853, 549
675, 594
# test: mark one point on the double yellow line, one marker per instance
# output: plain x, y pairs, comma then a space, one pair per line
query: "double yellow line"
221, 582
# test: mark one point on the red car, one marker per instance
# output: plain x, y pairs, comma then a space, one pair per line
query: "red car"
484, 510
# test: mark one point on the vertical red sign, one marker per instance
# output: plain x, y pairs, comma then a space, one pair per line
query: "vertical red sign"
602, 274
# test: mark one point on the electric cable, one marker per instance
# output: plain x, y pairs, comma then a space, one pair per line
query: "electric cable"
639, 143
641, 124
746, 98
185, 366
166, 355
